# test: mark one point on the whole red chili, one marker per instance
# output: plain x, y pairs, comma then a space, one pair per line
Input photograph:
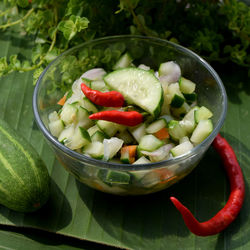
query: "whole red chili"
105, 99
227, 214
127, 118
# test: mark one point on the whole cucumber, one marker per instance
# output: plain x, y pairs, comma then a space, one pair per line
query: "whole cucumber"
24, 178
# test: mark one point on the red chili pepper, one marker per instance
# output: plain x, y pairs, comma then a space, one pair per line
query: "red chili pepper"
127, 118
105, 99
229, 213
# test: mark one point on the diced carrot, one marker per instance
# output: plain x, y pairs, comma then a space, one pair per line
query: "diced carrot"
162, 134
62, 100
131, 151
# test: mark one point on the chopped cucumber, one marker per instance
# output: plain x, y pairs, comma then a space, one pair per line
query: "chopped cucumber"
150, 143
99, 85
95, 149
190, 98
184, 139
111, 147
113, 177
87, 104
186, 86
160, 154
109, 128
202, 113
93, 129
181, 111
67, 133
138, 132
53, 116
56, 127
79, 139
69, 113
175, 130
124, 62
83, 118
156, 126
174, 95
126, 137
98, 136
182, 148
202, 131
188, 122
142, 160
139, 87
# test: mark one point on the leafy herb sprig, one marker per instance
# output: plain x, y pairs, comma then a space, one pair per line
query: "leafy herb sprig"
217, 30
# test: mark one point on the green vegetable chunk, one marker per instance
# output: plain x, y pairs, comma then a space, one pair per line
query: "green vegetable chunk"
24, 179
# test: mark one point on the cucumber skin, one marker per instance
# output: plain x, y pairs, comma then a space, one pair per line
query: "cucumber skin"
24, 178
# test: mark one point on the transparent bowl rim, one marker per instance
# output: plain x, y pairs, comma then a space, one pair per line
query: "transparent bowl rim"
131, 167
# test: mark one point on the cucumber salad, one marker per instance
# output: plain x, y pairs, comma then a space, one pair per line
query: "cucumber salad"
169, 120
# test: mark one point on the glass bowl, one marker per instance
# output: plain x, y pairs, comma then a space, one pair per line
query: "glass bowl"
126, 179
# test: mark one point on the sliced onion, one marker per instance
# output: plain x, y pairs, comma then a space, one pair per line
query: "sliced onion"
94, 74
172, 72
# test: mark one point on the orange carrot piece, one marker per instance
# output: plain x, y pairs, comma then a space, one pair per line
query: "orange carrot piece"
131, 150
162, 134
62, 100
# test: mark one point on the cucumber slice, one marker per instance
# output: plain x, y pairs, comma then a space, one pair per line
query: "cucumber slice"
113, 177
138, 132
188, 122
53, 116
202, 113
184, 139
175, 130
126, 137
177, 101
174, 95
142, 160
111, 147
94, 149
190, 98
202, 131
79, 139
98, 136
149, 143
83, 118
109, 128
69, 113
87, 104
124, 62
99, 85
67, 133
181, 148
93, 129
186, 86
156, 126
160, 154
181, 111
56, 127
139, 87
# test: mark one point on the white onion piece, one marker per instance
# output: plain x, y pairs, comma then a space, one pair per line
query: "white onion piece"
143, 66
159, 154
172, 72
111, 147
94, 74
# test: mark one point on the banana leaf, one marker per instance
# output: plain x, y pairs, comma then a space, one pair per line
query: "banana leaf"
144, 222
